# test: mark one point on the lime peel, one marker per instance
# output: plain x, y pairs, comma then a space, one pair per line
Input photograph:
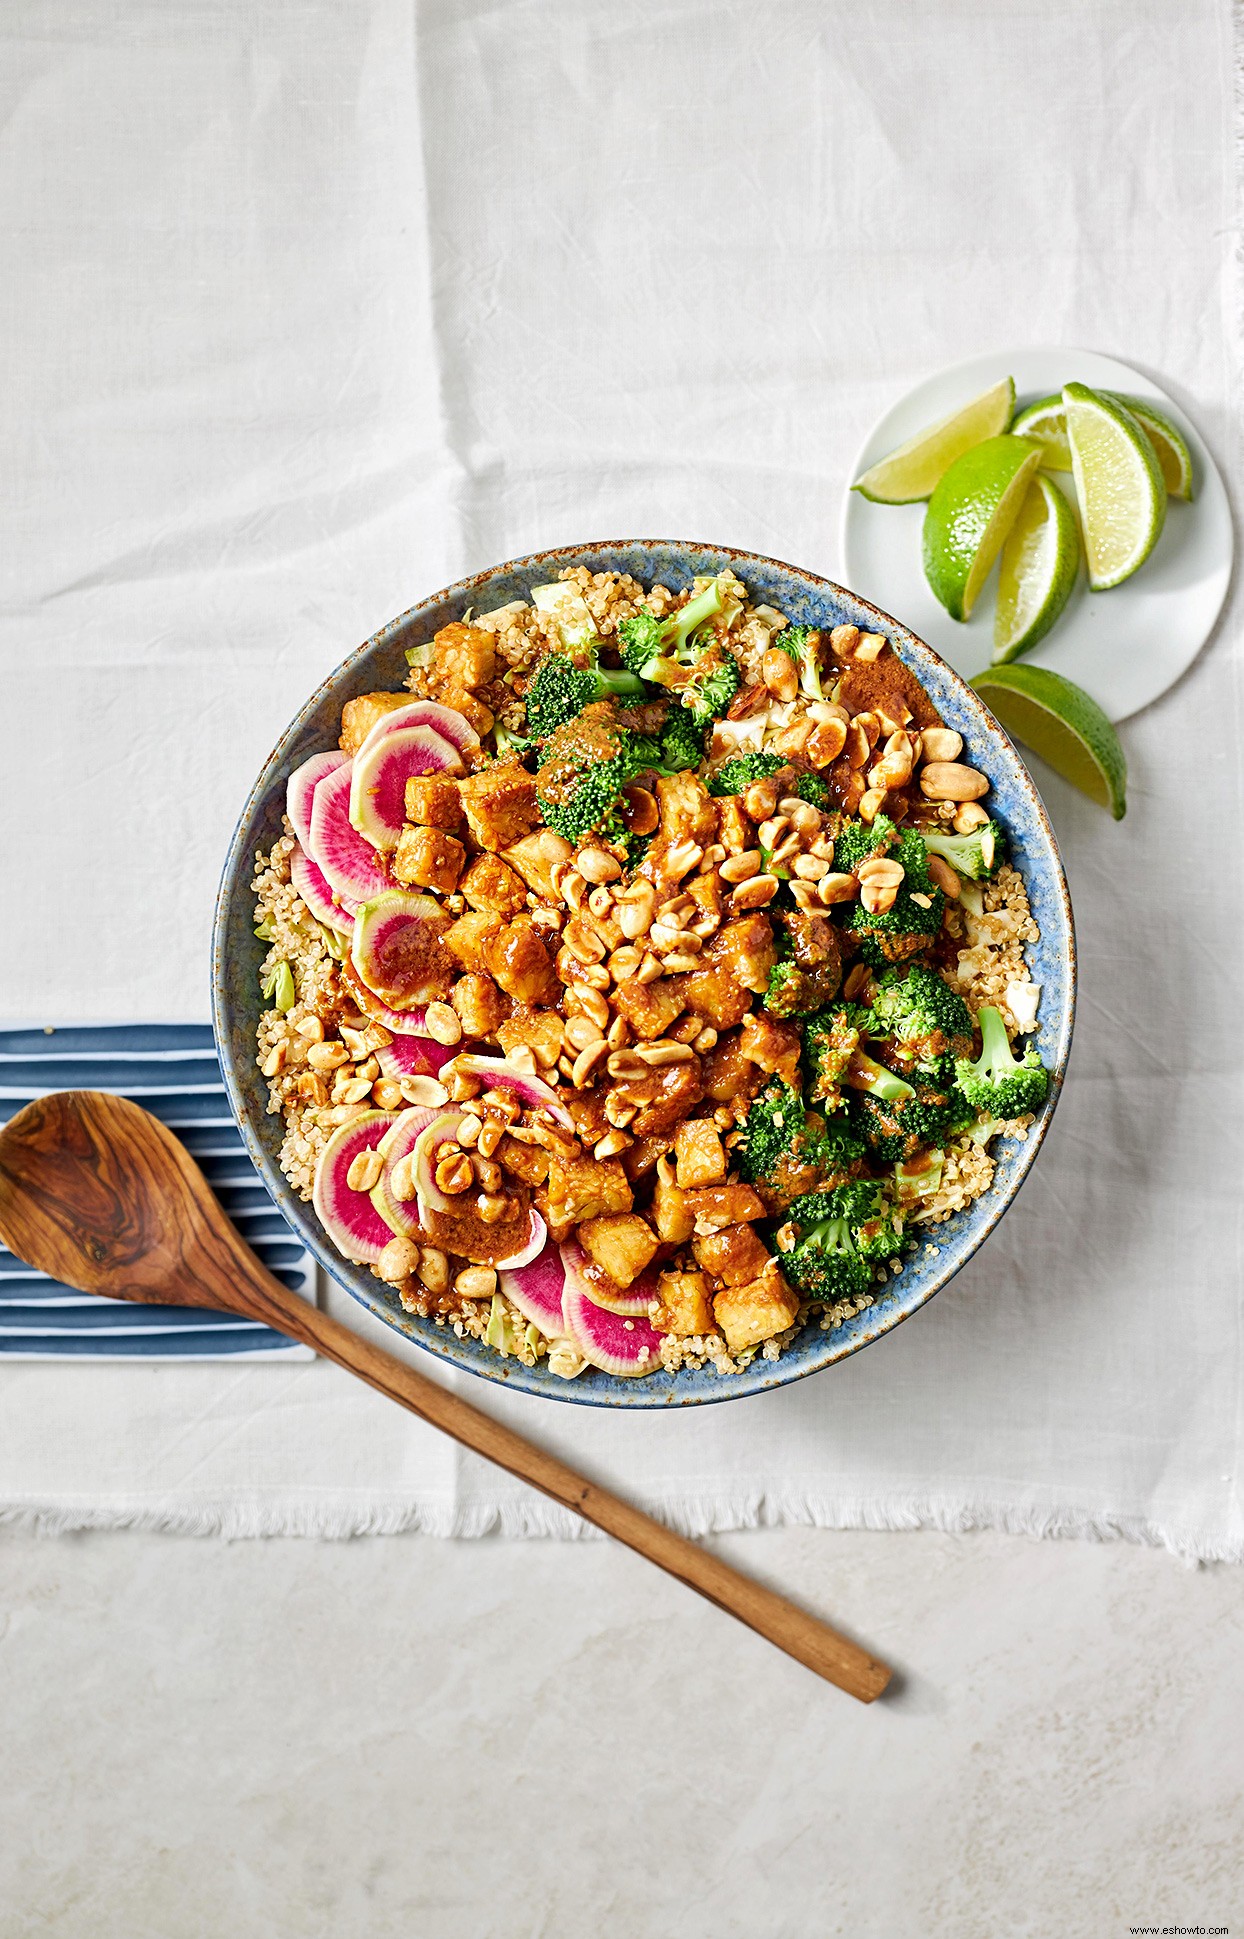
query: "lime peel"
1118, 482
1064, 725
910, 473
1040, 560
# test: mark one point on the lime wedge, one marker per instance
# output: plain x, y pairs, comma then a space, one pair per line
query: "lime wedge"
1168, 441
1037, 570
911, 472
1064, 725
1045, 424
1118, 482
970, 513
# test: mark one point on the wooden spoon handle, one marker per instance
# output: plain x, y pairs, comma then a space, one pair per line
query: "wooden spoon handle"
802, 1636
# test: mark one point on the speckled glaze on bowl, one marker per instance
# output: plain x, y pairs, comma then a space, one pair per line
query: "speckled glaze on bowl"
807, 600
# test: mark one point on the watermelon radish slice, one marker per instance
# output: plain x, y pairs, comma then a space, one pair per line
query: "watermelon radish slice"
447, 721
396, 939
536, 1290
312, 885
380, 773
495, 1074
404, 1023
628, 1300
412, 1056
352, 865
400, 1215
442, 1126
533, 1247
302, 785
615, 1344
349, 1217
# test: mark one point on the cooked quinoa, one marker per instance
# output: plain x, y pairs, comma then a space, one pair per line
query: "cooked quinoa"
699, 981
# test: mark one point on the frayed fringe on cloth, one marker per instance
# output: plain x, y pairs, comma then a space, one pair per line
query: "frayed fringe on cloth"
535, 1518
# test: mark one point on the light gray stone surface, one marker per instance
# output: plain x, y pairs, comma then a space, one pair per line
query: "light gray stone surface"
406, 1736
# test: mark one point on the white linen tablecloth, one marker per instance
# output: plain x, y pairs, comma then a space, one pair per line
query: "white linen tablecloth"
309, 310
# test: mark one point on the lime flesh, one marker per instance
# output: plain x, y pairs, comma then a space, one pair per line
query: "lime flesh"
1064, 725
970, 513
1037, 571
1118, 482
1045, 424
911, 472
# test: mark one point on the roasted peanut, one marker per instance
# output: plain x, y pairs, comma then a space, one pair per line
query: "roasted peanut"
881, 869
877, 897
587, 1063
443, 1023
739, 867
826, 743
755, 893
328, 1056
952, 781
420, 1089
945, 878
871, 647
942, 744
969, 815
843, 642
402, 1179
433, 1269
386, 1094
274, 1062
761, 799
397, 1261
582, 1031
476, 1282
598, 865
779, 673
836, 887
365, 1171
871, 802
591, 1003
454, 1173
492, 1207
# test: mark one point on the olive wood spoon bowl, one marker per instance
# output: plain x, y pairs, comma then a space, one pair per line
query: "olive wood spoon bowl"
97, 1193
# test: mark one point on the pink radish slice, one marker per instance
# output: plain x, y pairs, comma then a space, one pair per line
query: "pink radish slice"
312, 885
349, 1217
404, 1023
495, 1074
302, 785
442, 1127
533, 1247
395, 948
400, 1215
536, 1290
352, 865
381, 771
448, 722
626, 1300
412, 1056
615, 1344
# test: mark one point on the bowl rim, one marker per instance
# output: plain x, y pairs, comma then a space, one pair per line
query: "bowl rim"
605, 1390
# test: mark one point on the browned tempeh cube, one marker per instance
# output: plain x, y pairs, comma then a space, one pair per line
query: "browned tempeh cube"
700, 1153
427, 858
621, 1243
490, 883
756, 1311
735, 1255
686, 1304
432, 800
500, 804
360, 715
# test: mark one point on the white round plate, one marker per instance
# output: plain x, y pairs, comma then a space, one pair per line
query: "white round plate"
1125, 646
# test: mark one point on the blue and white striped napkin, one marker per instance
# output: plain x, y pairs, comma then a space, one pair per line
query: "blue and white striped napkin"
173, 1072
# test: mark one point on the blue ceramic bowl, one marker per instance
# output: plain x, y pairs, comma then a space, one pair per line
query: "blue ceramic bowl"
806, 599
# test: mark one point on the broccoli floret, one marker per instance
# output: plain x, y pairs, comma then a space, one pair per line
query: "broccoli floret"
682, 740
810, 787
918, 1177
907, 926
803, 644
712, 686
586, 765
775, 1124
999, 1083
786, 1149
656, 648
893, 1117
560, 690
736, 775
830, 1040
975, 855
828, 1261
928, 1023
511, 744
858, 841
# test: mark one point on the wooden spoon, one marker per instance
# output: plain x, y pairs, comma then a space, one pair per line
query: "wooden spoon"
97, 1193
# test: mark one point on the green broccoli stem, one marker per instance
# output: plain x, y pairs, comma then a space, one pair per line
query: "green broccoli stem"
995, 1059
683, 623
618, 682
865, 1074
